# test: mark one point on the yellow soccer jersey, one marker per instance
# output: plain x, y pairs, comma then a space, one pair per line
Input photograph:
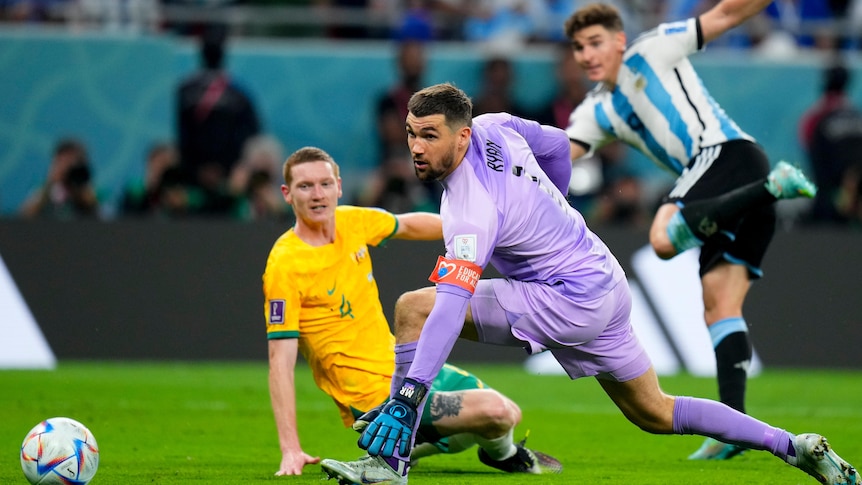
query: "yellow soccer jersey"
327, 297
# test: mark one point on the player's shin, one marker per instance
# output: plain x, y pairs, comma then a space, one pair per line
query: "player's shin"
716, 420
498, 448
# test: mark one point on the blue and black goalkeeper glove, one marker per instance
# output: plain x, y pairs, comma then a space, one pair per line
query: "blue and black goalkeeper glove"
363, 421
394, 424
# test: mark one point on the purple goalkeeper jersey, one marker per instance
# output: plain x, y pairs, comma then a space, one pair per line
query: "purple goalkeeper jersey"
499, 206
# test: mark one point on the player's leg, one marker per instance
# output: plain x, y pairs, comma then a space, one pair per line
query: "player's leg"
484, 413
724, 289
642, 401
487, 418
721, 186
411, 310
454, 421
725, 189
727, 268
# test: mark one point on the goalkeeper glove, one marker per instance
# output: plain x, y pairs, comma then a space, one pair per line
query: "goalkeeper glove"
363, 421
394, 424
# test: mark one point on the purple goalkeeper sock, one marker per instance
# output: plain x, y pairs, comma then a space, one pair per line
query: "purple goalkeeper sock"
716, 420
404, 354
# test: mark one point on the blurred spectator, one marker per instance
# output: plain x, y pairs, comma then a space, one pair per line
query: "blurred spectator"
392, 105
161, 192
496, 92
831, 133
393, 185
412, 19
424, 19
621, 197
807, 20
256, 179
572, 87
36, 11
502, 25
14, 10
347, 30
68, 193
550, 15
191, 25
130, 16
215, 117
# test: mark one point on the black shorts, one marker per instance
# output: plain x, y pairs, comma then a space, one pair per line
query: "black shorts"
738, 163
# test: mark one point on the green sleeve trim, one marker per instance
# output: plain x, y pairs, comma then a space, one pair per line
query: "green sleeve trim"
387, 238
280, 335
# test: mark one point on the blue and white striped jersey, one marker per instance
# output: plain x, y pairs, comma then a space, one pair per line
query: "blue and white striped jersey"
659, 105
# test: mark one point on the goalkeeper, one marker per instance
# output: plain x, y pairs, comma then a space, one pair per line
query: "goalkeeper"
562, 290
322, 300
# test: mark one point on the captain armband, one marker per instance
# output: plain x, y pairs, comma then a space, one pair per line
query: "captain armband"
458, 272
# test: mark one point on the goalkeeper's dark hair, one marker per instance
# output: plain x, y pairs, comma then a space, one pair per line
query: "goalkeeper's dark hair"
445, 99
307, 155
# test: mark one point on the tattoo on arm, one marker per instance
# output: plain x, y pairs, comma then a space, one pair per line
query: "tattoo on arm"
446, 404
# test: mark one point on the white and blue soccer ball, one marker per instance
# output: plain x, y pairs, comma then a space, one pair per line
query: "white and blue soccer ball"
59, 451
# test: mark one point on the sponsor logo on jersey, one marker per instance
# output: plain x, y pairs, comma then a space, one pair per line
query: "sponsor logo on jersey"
707, 226
361, 254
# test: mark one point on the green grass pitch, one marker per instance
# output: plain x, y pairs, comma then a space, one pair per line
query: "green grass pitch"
211, 423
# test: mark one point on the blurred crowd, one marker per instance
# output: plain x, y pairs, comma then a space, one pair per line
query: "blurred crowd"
783, 27
223, 163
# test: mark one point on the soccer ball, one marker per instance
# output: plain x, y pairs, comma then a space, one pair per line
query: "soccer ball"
59, 451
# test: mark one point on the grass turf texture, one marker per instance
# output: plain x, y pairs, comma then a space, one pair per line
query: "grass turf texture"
181, 423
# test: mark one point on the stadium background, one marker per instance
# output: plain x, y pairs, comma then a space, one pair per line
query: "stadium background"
191, 290
116, 93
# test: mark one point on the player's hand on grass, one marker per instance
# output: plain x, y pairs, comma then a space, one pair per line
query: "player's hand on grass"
292, 463
395, 423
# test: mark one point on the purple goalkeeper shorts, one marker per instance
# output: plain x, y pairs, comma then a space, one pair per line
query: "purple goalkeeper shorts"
588, 338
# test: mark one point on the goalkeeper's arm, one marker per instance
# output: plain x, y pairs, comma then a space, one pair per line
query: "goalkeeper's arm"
440, 332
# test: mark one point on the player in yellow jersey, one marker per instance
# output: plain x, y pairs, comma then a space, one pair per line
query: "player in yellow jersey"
321, 300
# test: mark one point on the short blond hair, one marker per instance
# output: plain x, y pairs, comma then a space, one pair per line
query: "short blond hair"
307, 155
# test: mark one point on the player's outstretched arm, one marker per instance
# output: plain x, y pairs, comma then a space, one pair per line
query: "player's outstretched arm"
422, 226
727, 15
282, 392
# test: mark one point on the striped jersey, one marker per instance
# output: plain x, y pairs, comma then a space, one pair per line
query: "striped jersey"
659, 104
327, 297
